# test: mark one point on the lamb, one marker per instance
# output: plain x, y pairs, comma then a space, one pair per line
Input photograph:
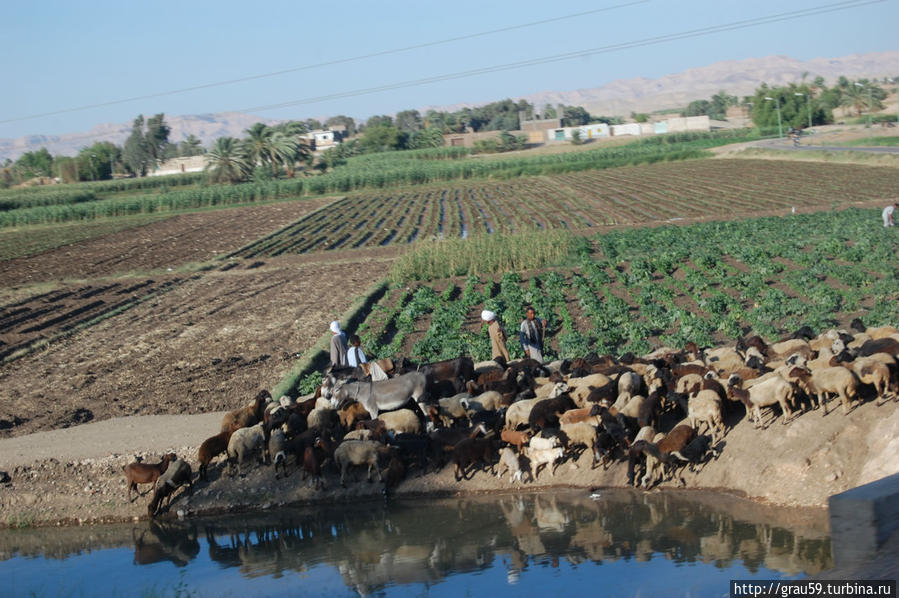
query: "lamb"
470, 452
145, 473
211, 448
247, 416
402, 421
541, 457
774, 390
277, 449
516, 439
541, 443
357, 452
511, 462
243, 443
175, 476
706, 407
838, 380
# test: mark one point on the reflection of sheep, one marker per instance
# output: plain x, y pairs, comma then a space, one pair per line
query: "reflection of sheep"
243, 443
357, 452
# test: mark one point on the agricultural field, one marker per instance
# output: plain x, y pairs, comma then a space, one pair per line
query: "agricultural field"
696, 189
633, 290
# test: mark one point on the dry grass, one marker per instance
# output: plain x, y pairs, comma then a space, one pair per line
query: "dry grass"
840, 157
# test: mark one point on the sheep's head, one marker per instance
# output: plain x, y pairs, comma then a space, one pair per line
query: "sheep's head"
734, 380
559, 388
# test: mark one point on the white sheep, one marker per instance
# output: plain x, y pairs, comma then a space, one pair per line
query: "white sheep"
363, 434
630, 382
519, 412
509, 461
774, 390
401, 421
724, 360
685, 383
243, 443
490, 400
581, 434
540, 457
871, 370
541, 443
277, 447
321, 418
357, 452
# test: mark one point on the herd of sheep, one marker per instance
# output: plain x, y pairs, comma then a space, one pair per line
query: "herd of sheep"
659, 412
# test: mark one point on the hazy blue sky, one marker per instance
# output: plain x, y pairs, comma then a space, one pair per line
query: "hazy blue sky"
62, 54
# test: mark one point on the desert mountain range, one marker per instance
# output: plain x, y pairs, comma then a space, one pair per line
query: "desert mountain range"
620, 97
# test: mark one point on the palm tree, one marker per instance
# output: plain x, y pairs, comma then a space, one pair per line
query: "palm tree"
226, 162
258, 144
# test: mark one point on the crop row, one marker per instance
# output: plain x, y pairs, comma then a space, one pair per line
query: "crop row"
704, 283
707, 188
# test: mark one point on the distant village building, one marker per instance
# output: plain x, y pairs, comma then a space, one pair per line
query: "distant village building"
322, 139
468, 139
179, 166
536, 128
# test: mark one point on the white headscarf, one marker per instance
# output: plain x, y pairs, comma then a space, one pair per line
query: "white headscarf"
335, 327
488, 316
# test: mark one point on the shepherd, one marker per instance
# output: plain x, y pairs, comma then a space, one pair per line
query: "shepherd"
532, 335
497, 336
338, 346
888, 214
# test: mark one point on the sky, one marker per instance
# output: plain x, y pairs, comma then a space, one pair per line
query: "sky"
60, 55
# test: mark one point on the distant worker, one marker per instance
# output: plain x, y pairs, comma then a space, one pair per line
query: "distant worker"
888, 214
338, 346
532, 334
497, 336
355, 356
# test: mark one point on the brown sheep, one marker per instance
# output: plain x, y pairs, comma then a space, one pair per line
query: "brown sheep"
470, 452
247, 416
211, 448
352, 413
145, 473
516, 439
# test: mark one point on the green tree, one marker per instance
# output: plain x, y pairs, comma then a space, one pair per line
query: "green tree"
344, 121
382, 138
430, 137
157, 137
408, 121
191, 146
34, 164
576, 137
720, 102
379, 120
640, 117
257, 146
313, 124
226, 162
96, 163
549, 111
574, 116
136, 154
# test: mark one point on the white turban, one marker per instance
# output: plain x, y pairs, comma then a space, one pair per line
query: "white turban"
335, 327
488, 316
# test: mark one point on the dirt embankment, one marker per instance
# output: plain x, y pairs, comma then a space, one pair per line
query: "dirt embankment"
75, 475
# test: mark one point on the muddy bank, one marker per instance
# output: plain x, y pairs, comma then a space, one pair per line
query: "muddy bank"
75, 475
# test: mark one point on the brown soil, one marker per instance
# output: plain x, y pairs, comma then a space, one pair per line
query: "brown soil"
207, 344
170, 243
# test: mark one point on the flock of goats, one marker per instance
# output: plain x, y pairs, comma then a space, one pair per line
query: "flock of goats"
526, 416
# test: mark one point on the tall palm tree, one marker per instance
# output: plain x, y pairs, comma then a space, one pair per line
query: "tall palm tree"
226, 162
258, 144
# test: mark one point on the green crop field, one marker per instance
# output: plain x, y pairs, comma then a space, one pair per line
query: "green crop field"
578, 201
631, 290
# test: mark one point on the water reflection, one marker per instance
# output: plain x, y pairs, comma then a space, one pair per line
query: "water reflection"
424, 541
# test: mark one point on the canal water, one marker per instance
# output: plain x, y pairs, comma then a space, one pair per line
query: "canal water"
571, 543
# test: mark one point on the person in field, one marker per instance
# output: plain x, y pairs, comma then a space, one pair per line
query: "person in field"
497, 336
338, 346
355, 356
532, 334
888, 214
